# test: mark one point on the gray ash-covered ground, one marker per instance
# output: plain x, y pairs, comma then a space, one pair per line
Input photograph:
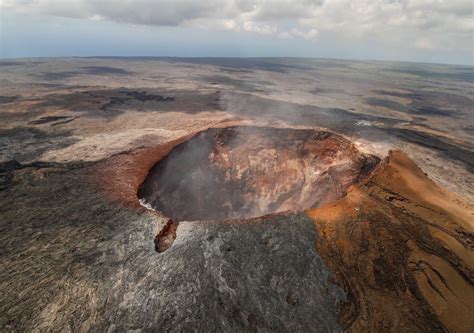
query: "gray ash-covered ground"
74, 261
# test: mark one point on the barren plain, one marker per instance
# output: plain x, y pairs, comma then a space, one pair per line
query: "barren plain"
220, 194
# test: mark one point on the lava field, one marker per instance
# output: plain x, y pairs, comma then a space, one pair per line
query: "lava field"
235, 195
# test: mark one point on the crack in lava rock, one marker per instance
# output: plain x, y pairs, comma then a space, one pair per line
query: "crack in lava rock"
166, 236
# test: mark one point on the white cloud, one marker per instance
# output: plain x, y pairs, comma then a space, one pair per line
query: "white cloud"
295, 33
426, 24
308, 35
424, 44
262, 29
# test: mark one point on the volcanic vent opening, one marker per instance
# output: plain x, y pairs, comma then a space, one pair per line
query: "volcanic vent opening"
243, 172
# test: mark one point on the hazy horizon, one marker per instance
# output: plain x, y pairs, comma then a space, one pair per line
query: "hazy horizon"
158, 57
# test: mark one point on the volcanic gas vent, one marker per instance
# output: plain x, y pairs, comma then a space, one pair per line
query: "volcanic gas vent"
243, 172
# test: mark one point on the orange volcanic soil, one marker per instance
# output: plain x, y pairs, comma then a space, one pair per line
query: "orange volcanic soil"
122, 174
403, 250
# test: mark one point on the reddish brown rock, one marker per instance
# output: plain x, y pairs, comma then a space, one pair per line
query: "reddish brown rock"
402, 249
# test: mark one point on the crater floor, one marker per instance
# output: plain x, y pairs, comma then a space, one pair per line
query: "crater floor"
242, 172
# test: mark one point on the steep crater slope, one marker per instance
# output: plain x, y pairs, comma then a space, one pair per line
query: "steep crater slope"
402, 249
244, 172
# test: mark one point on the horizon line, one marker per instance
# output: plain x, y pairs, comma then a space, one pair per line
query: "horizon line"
233, 57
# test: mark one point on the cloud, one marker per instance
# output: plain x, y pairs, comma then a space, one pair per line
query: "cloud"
294, 33
426, 24
424, 44
263, 29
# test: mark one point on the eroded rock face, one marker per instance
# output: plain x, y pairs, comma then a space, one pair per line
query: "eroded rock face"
244, 172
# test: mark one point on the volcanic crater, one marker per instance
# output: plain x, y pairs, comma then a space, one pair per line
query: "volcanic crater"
243, 172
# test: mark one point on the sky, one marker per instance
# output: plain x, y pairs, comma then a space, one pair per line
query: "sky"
403, 30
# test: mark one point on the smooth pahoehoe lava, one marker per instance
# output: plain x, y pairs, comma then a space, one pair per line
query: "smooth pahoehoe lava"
244, 172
